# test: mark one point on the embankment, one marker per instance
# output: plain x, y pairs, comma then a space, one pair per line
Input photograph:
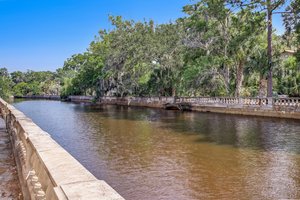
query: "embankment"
268, 107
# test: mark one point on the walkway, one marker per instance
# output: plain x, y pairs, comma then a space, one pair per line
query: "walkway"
9, 183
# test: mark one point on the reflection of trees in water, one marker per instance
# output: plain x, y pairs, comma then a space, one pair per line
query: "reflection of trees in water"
239, 131
167, 153
278, 135
248, 133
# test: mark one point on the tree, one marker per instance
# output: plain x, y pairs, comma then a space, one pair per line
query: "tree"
168, 60
292, 24
213, 51
82, 74
289, 78
222, 38
129, 64
5, 83
35, 83
208, 31
246, 28
270, 7
18, 77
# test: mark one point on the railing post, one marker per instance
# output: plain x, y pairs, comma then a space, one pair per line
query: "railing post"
240, 100
270, 101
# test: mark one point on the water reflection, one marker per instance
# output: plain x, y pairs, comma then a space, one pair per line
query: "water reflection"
157, 154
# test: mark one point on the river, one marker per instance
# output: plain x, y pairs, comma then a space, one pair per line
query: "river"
156, 154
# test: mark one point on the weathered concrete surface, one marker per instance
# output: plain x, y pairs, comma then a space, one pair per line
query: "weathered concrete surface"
9, 183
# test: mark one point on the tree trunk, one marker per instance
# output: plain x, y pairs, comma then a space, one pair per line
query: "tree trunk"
227, 78
239, 78
226, 71
262, 87
270, 73
173, 92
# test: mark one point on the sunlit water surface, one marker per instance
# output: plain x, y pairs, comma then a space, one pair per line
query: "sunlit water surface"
156, 154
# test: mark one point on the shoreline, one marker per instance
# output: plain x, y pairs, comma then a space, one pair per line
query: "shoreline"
288, 108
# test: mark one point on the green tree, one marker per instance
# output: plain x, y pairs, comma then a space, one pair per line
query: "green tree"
18, 77
289, 78
222, 39
270, 7
212, 51
83, 74
5, 83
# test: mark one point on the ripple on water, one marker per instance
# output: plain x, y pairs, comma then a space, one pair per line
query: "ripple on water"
155, 154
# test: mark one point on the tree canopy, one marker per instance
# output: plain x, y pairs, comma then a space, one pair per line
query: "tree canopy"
220, 48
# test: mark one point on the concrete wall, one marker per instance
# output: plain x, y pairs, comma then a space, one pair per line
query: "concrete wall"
269, 107
45, 169
153, 102
87, 99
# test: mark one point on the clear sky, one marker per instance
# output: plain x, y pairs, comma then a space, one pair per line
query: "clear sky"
41, 34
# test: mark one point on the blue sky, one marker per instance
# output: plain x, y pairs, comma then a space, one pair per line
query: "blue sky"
41, 34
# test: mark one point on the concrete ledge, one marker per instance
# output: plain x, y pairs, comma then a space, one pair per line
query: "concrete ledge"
92, 190
285, 108
248, 111
45, 169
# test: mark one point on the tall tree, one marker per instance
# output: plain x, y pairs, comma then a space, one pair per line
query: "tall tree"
208, 32
246, 29
5, 83
270, 7
225, 36
292, 24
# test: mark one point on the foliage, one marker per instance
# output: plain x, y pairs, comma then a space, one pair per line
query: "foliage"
5, 83
289, 78
210, 52
220, 48
33, 83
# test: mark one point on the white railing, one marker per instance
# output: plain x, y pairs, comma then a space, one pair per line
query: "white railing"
292, 102
295, 102
212, 100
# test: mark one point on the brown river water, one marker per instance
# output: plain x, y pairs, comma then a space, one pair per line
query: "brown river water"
148, 154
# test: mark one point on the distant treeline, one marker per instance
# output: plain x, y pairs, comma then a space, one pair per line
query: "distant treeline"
29, 83
221, 48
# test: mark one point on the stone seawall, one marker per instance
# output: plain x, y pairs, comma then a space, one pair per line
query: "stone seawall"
45, 169
266, 107
269, 107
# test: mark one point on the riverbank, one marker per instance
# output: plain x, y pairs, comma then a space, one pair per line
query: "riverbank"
50, 97
266, 107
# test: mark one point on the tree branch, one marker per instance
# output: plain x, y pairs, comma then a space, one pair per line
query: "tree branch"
286, 12
277, 4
